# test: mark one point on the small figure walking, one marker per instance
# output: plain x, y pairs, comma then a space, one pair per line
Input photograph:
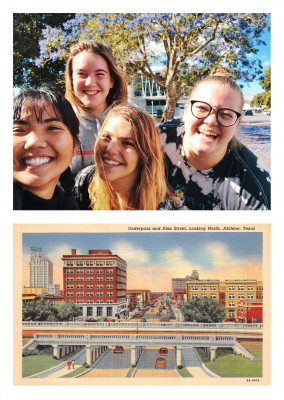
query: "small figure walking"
68, 364
73, 364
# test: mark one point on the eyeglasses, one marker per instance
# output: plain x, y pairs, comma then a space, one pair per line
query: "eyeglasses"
225, 116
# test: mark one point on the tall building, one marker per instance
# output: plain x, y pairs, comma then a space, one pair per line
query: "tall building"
40, 269
96, 282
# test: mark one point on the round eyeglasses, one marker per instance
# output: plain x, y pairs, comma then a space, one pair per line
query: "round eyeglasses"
225, 116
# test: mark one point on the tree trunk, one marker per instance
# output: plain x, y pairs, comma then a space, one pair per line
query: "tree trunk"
170, 103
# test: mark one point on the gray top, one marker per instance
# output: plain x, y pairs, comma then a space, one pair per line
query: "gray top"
90, 126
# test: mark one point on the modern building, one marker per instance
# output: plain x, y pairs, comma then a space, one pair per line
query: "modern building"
250, 311
96, 282
147, 94
40, 269
227, 293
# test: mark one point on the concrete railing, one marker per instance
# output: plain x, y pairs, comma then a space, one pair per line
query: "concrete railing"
136, 339
145, 325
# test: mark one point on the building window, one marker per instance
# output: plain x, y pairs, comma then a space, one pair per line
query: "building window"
89, 271
89, 311
194, 296
69, 279
79, 301
109, 311
99, 286
79, 294
89, 286
250, 287
109, 294
203, 287
212, 287
99, 294
70, 287
231, 296
99, 278
89, 301
69, 294
109, 271
231, 303
79, 286
213, 296
203, 295
89, 278
241, 288
109, 286
241, 296
231, 313
250, 296
79, 270
231, 287
69, 271
89, 294
109, 278
99, 311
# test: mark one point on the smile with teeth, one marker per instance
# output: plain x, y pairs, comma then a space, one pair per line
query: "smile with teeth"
112, 163
206, 133
91, 92
36, 161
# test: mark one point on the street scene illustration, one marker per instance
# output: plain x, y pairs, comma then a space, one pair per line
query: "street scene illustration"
130, 305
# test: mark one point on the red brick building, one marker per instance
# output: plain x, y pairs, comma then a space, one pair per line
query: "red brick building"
250, 311
96, 282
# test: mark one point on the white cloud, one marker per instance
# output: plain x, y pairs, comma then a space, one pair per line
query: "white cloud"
131, 254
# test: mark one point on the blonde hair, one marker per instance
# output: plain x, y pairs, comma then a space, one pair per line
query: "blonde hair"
223, 76
151, 188
117, 94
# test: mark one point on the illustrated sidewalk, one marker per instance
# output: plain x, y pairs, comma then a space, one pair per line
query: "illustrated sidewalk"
61, 369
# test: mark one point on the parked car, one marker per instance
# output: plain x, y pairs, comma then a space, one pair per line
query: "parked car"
248, 112
266, 112
90, 320
118, 349
160, 363
163, 351
164, 319
108, 319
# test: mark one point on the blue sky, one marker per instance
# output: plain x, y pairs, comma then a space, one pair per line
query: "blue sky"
265, 55
154, 258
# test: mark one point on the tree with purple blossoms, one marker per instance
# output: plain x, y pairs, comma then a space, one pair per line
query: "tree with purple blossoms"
187, 45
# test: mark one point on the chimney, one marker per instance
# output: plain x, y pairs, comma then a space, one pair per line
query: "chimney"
73, 252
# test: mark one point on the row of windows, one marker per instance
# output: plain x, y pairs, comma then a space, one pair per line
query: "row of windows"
212, 296
88, 294
241, 288
89, 279
89, 286
88, 263
88, 271
94, 302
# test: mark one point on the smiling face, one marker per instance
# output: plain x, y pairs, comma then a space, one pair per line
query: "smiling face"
119, 158
91, 80
206, 141
42, 150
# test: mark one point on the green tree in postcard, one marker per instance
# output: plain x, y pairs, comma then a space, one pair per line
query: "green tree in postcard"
203, 310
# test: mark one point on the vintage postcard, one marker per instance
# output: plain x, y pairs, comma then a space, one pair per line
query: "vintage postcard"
142, 304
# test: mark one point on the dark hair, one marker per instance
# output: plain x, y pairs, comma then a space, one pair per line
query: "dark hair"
35, 99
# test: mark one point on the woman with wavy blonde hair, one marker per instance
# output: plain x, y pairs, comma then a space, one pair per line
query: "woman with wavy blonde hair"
129, 169
94, 85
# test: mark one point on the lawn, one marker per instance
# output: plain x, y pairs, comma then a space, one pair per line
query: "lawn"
231, 365
183, 372
42, 361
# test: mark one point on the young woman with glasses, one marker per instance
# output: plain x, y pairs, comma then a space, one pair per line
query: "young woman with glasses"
206, 165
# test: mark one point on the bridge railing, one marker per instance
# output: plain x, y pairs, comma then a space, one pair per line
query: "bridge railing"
138, 339
144, 325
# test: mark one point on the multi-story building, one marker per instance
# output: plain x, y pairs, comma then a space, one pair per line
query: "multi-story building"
203, 288
40, 269
96, 282
54, 289
250, 311
179, 286
227, 293
236, 290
